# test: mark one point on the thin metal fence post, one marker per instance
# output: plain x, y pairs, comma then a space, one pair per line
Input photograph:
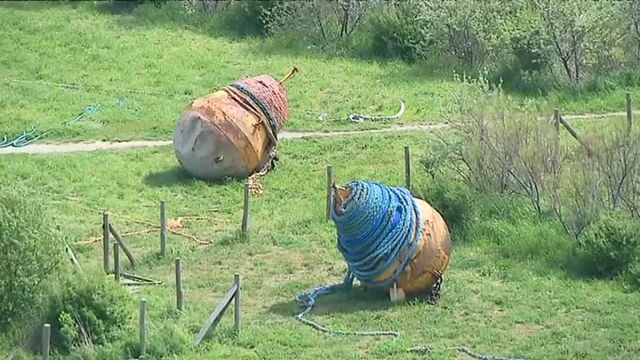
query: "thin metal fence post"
143, 327
236, 281
46, 341
629, 112
163, 229
116, 261
407, 167
329, 195
245, 210
179, 289
105, 241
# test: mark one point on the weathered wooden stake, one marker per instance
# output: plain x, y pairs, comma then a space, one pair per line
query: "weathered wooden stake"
73, 258
236, 319
245, 210
329, 196
105, 241
179, 289
629, 113
163, 229
124, 247
143, 327
216, 314
407, 167
576, 136
556, 120
46, 341
116, 261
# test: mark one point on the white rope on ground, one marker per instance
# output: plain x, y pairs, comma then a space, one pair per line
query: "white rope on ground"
355, 117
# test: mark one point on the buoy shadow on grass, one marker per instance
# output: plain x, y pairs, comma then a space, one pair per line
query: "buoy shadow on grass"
357, 299
176, 175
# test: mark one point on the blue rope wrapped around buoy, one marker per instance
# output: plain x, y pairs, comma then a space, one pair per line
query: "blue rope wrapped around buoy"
375, 225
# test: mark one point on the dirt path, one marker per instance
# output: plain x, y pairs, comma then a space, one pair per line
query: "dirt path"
108, 145
44, 148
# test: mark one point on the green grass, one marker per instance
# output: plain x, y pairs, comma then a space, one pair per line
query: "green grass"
509, 290
172, 60
506, 291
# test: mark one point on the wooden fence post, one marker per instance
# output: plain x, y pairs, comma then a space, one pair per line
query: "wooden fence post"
72, 256
576, 136
407, 167
329, 197
105, 241
216, 314
236, 319
163, 229
46, 341
116, 261
245, 210
179, 289
556, 120
124, 247
143, 327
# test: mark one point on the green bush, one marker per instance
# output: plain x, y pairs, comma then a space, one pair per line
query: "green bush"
454, 202
32, 252
88, 312
246, 18
633, 275
168, 340
393, 34
611, 246
121, 6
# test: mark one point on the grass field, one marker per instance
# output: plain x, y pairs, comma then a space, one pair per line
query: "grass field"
510, 289
156, 62
506, 291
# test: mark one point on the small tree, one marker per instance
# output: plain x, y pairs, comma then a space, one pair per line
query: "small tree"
318, 21
475, 32
584, 35
629, 13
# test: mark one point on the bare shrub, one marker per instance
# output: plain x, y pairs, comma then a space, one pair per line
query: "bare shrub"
508, 148
618, 156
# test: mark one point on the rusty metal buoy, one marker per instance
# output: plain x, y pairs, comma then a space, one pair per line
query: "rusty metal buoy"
426, 258
233, 132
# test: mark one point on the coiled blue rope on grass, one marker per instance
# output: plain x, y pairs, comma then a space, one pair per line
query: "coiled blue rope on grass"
28, 137
374, 226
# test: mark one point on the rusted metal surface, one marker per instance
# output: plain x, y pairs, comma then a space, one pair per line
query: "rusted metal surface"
232, 132
433, 254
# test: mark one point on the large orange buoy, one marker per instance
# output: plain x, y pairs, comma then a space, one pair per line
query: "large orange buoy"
389, 240
232, 132
431, 259
430, 255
